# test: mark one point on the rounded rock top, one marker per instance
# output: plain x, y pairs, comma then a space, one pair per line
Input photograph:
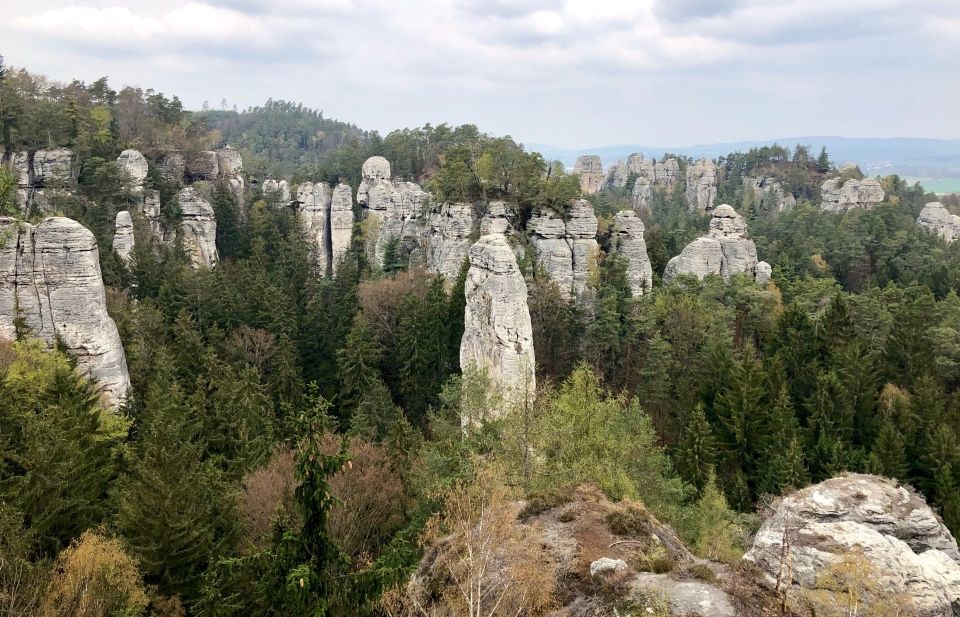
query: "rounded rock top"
725, 211
376, 168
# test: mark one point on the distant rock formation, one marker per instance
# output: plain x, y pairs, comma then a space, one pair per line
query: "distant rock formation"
123, 241
938, 219
448, 243
134, 166
908, 548
498, 337
229, 168
626, 240
172, 166
202, 165
392, 209
198, 228
763, 273
590, 170
277, 189
701, 185
313, 208
341, 223
568, 251
769, 194
663, 173
853, 193
642, 196
40, 175
50, 277
725, 250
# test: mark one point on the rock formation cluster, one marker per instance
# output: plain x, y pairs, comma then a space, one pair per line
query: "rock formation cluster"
590, 170
498, 336
908, 548
50, 278
662, 173
448, 243
326, 216
393, 209
725, 250
935, 217
198, 228
769, 194
626, 240
568, 251
39, 175
701, 185
841, 196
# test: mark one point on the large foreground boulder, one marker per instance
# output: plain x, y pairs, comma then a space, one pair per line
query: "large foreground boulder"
498, 336
50, 279
906, 549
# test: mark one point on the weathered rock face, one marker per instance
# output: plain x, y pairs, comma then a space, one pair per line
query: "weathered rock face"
393, 209
278, 189
172, 166
853, 193
568, 251
642, 196
52, 166
701, 185
40, 176
725, 250
590, 170
498, 337
123, 241
666, 172
229, 168
769, 194
495, 220
51, 273
203, 165
198, 229
341, 223
938, 219
134, 165
626, 240
908, 547
314, 200
448, 244
763, 272
150, 209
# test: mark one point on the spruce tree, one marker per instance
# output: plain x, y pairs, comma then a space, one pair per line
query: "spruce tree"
740, 409
888, 456
696, 453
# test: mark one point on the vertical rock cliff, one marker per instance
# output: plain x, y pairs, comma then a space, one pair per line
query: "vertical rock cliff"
935, 217
626, 240
341, 223
448, 242
590, 170
701, 185
198, 228
50, 278
123, 241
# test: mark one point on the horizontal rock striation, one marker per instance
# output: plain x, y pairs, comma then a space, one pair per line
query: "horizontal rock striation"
725, 250
198, 228
626, 240
851, 194
567, 250
50, 278
701, 185
448, 242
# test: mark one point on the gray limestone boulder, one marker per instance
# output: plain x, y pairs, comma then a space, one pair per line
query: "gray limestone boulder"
554, 250
198, 228
134, 166
701, 185
52, 166
229, 162
851, 194
626, 240
123, 241
763, 272
702, 257
935, 217
498, 336
906, 545
582, 235
725, 250
590, 170
768, 193
50, 277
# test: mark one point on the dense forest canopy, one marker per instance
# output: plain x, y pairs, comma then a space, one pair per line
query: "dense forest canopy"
290, 437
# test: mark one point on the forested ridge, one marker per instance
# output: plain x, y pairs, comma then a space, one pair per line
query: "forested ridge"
292, 441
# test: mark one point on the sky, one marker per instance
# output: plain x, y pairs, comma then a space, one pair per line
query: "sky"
569, 73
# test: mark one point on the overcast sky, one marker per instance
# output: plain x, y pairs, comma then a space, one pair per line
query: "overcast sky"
570, 73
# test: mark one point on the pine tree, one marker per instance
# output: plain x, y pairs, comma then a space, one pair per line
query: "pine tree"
422, 348
740, 410
358, 366
781, 458
823, 161
696, 453
888, 456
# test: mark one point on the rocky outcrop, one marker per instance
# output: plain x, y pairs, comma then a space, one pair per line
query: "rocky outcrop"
763, 273
938, 219
725, 250
40, 176
666, 172
568, 251
590, 170
172, 166
907, 548
341, 223
50, 278
393, 208
498, 337
642, 196
701, 185
198, 228
134, 167
313, 208
278, 190
202, 165
662, 174
851, 194
51, 167
123, 241
626, 240
229, 168
768, 193
149, 207
448, 243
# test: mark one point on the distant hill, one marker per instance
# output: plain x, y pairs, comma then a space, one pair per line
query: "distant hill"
935, 159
